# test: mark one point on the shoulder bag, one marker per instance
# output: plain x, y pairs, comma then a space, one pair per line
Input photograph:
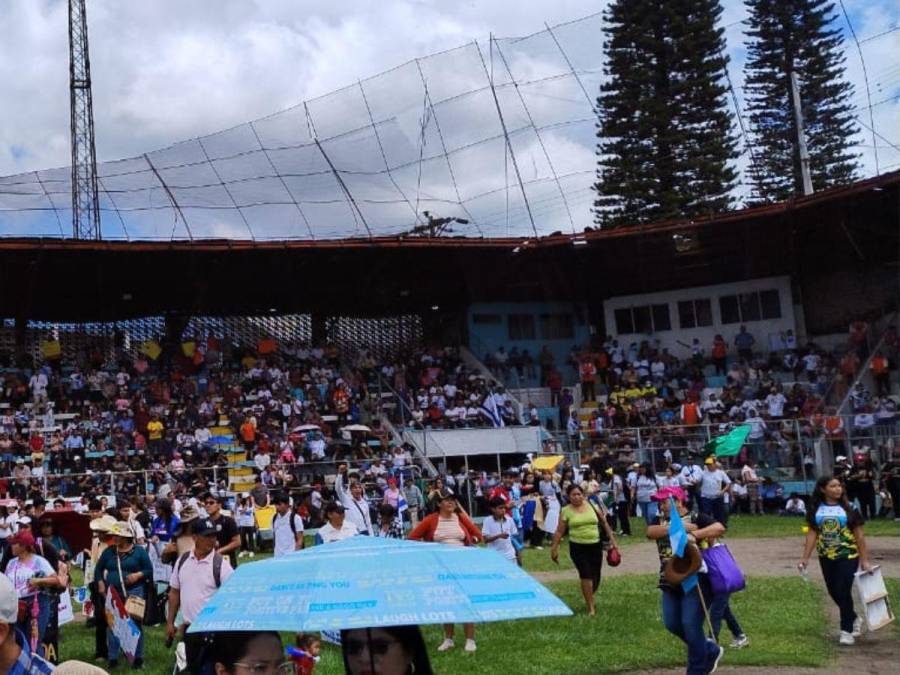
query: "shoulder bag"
134, 605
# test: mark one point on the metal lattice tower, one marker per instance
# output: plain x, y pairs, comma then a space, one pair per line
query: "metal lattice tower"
85, 200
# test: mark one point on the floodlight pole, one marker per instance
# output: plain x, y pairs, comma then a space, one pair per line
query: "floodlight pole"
85, 195
801, 138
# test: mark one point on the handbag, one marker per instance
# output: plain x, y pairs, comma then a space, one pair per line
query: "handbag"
136, 607
613, 557
724, 575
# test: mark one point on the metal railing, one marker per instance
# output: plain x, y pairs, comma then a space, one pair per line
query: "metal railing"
302, 474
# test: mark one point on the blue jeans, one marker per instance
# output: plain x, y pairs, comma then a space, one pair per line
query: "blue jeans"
649, 511
43, 618
720, 609
112, 643
683, 618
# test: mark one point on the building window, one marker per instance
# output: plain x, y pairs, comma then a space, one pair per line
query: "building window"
661, 320
486, 319
771, 304
754, 306
624, 324
644, 320
557, 326
521, 326
694, 313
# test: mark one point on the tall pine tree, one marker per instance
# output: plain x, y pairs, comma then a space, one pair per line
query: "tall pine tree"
665, 134
799, 36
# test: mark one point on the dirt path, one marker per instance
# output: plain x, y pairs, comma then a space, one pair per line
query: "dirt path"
874, 653
774, 557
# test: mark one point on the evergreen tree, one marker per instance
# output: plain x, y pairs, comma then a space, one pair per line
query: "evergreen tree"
665, 134
797, 35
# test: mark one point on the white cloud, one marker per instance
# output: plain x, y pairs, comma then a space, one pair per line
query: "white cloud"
168, 70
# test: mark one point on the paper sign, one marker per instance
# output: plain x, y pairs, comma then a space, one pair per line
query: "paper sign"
66, 614
125, 630
161, 571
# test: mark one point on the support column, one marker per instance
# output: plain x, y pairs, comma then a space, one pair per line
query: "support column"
319, 329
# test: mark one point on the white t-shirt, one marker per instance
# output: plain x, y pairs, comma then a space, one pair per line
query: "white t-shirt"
491, 527
712, 483
9, 524
284, 538
19, 573
328, 534
776, 404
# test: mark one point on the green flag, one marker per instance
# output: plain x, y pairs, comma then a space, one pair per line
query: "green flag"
730, 444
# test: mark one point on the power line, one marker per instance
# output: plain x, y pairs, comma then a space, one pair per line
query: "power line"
866, 78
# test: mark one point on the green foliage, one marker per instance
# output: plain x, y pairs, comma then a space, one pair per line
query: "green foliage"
665, 132
798, 35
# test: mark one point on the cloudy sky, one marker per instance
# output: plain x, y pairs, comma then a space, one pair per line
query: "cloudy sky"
168, 70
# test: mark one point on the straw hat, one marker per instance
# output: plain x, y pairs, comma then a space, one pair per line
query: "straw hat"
102, 524
122, 529
678, 569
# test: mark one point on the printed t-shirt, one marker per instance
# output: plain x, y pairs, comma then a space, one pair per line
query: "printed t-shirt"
834, 536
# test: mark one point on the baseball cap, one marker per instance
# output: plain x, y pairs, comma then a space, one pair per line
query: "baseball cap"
22, 538
9, 601
24, 520
203, 527
840, 458
710, 460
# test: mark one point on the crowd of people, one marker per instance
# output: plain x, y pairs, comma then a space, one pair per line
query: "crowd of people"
131, 443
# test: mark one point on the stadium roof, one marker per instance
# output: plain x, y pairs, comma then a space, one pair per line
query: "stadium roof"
856, 226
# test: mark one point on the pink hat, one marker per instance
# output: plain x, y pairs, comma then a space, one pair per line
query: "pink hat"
666, 492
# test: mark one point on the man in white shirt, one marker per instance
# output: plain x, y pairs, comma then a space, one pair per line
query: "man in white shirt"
775, 402
196, 576
691, 473
354, 502
287, 527
336, 527
714, 483
38, 385
795, 506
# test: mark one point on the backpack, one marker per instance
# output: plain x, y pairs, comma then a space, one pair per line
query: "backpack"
217, 566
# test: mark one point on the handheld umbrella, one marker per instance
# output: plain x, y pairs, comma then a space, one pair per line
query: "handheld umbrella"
368, 582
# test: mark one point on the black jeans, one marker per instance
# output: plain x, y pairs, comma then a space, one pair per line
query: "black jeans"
839, 582
248, 539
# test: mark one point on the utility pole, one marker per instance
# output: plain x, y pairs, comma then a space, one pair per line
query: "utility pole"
85, 196
801, 137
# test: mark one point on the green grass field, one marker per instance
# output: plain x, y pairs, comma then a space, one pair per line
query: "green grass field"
626, 635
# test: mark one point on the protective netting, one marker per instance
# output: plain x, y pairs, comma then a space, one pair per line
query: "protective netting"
501, 135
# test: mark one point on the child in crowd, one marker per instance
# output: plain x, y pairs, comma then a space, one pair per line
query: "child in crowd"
499, 530
305, 652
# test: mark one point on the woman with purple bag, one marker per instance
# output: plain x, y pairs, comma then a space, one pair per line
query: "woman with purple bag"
721, 580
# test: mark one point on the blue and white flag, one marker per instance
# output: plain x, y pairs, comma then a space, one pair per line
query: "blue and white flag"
678, 539
490, 410
401, 504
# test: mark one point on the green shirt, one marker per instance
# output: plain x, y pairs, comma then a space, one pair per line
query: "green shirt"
582, 524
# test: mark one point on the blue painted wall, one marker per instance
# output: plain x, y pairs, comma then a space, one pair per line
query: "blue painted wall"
488, 337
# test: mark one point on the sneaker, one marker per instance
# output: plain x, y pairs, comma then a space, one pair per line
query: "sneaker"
718, 657
857, 627
446, 645
538, 548
740, 642
847, 638
252, 554
470, 646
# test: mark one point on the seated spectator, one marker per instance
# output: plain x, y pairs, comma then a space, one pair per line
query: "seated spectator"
794, 506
